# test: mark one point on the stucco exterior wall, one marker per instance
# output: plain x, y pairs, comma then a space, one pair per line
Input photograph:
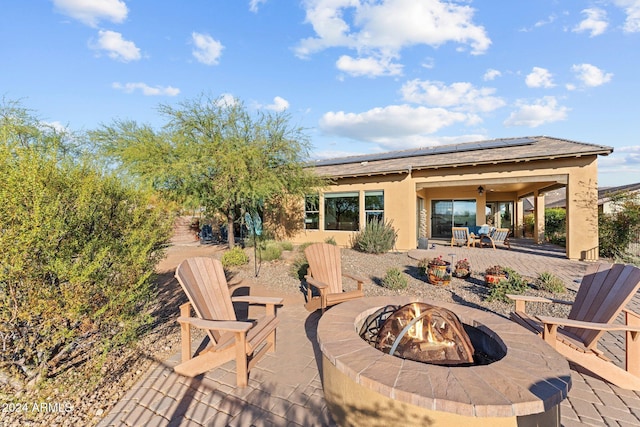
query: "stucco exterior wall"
505, 182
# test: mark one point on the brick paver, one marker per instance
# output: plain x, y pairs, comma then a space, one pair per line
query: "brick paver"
285, 387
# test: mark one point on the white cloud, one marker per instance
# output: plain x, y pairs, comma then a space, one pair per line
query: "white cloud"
207, 50
544, 110
539, 77
544, 22
386, 27
460, 96
388, 124
370, 66
632, 9
590, 75
57, 126
255, 4
279, 104
595, 22
90, 12
116, 47
146, 89
491, 74
227, 100
623, 161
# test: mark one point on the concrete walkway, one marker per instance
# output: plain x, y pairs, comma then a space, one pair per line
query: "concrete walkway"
285, 387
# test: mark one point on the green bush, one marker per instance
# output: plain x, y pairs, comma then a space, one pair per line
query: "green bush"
617, 230
550, 283
299, 267
377, 237
77, 253
395, 279
234, 257
515, 284
330, 240
270, 251
286, 246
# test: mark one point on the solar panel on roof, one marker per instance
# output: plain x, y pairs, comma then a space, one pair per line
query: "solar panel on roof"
427, 151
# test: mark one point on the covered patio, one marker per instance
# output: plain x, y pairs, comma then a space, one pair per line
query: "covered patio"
426, 191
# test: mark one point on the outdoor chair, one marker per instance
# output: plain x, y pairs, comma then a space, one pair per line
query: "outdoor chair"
603, 294
461, 236
325, 274
203, 280
497, 235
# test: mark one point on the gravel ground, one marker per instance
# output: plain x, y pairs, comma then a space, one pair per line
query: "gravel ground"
90, 401
277, 276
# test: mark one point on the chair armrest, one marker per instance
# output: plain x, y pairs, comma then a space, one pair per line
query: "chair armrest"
217, 325
521, 301
257, 300
316, 283
358, 279
531, 298
548, 320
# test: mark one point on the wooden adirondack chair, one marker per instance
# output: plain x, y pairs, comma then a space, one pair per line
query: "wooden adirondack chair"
461, 236
204, 282
603, 294
325, 274
499, 235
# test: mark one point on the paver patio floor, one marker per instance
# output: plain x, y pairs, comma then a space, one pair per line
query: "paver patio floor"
285, 387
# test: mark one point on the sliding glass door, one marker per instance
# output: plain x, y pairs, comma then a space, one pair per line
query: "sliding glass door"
451, 213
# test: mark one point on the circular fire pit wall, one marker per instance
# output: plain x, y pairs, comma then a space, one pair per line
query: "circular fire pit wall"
521, 384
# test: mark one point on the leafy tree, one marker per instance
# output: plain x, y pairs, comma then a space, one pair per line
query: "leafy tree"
215, 151
620, 227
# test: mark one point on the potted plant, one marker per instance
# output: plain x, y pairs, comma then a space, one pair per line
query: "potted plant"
462, 269
494, 275
436, 270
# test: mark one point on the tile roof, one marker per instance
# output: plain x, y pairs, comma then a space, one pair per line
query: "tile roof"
468, 154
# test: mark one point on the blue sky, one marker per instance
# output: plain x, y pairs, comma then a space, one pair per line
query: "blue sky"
362, 76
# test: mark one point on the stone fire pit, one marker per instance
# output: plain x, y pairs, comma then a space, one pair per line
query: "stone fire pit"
364, 386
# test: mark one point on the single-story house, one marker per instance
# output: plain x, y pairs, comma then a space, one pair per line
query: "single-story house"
604, 197
426, 191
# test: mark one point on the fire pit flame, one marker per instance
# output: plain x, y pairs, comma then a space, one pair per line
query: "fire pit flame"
426, 333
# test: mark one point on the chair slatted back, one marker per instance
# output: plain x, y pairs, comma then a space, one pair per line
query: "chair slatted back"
460, 234
500, 234
204, 282
604, 291
325, 265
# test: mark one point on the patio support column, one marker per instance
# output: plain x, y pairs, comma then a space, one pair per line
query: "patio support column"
582, 214
518, 225
538, 215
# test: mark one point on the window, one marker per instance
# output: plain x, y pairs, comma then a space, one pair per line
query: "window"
451, 213
311, 212
374, 205
341, 211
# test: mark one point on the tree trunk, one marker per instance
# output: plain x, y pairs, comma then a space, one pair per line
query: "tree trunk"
231, 238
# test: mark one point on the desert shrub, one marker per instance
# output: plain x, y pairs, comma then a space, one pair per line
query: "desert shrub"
304, 246
234, 257
286, 246
77, 253
330, 240
299, 267
515, 284
376, 238
395, 279
550, 283
270, 251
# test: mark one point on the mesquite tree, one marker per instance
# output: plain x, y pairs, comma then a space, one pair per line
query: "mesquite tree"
216, 151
